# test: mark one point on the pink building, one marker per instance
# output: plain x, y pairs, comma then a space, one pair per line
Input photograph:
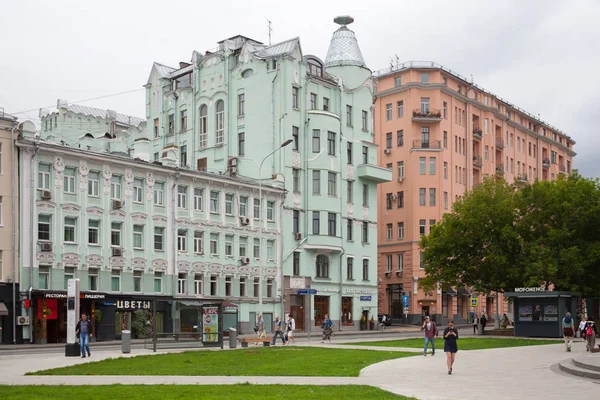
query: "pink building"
441, 135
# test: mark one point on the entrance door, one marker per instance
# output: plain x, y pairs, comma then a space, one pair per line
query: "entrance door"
424, 311
347, 311
321, 308
298, 314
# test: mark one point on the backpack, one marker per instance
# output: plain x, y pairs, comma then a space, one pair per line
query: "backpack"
589, 331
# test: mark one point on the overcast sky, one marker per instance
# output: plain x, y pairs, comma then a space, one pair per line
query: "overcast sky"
541, 55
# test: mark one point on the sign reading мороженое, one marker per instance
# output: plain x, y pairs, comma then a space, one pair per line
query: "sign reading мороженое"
530, 289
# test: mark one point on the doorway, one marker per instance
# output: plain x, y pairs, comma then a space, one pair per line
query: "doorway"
347, 311
321, 308
298, 314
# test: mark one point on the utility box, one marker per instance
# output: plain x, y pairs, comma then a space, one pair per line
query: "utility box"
126, 342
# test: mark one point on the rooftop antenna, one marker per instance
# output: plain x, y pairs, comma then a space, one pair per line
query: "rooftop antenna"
270, 30
397, 61
391, 64
471, 78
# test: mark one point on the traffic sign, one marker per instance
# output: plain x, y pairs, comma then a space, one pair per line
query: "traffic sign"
474, 301
365, 298
307, 291
405, 301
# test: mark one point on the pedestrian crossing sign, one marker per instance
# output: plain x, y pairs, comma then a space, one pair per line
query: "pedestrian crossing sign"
474, 301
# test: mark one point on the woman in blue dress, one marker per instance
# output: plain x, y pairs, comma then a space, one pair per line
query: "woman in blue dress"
450, 347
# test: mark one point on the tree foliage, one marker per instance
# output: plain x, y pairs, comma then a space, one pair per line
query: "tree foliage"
498, 238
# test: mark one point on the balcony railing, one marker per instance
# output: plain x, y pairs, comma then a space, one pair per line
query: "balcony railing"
477, 161
426, 115
499, 143
431, 144
562, 168
546, 163
477, 132
500, 169
522, 177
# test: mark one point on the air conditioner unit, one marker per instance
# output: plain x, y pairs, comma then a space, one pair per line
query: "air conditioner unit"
388, 273
232, 171
400, 179
297, 235
387, 151
46, 195
23, 320
245, 260
117, 252
233, 162
393, 197
399, 272
46, 247
244, 221
117, 204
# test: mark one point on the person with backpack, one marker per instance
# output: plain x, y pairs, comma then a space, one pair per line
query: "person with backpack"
568, 326
590, 334
431, 333
326, 326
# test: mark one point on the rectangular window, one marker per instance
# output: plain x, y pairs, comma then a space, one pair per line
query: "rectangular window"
422, 192
171, 124
295, 136
486, 152
228, 204
348, 115
183, 121
158, 277
400, 198
296, 263
138, 191
295, 92
424, 77
241, 143
198, 242
389, 231
182, 240
269, 287
400, 166
256, 287
313, 101
138, 236
270, 250
445, 200
350, 191
214, 285
156, 132
181, 283
159, 238
425, 137
115, 187
331, 224
422, 165
421, 261
388, 111
295, 221
397, 81
425, 105
388, 201
243, 206
432, 196
388, 140
93, 232
400, 230
115, 234
214, 244
228, 284
400, 138
296, 180
182, 197
400, 108
445, 170
214, 202
198, 194
44, 176
93, 184
316, 141
331, 143
365, 119
365, 195
242, 287
422, 226
325, 104
432, 166
365, 232
270, 211
158, 194
44, 277
198, 279
69, 230
365, 269
350, 230
69, 180
256, 209
349, 152
331, 184
365, 155
115, 280
349, 268
316, 222
243, 246
445, 110
445, 139
316, 181
241, 104
486, 126
256, 248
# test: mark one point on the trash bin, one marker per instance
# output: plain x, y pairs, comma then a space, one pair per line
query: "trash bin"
232, 338
126, 342
479, 329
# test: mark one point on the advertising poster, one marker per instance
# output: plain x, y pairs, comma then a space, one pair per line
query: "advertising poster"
210, 324
525, 312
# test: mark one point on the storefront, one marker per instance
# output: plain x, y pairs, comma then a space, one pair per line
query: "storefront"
539, 313
109, 314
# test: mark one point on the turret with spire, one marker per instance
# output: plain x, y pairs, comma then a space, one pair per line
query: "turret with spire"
344, 52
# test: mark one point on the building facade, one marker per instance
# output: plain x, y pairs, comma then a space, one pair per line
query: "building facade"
9, 274
227, 110
134, 230
441, 135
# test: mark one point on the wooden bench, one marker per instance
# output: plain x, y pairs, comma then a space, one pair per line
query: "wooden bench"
265, 341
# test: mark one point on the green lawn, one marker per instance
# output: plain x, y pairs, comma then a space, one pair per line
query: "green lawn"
166, 392
259, 361
463, 344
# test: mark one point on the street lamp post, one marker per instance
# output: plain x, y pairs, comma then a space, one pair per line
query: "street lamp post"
260, 221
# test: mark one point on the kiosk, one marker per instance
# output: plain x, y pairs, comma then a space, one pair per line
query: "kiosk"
539, 313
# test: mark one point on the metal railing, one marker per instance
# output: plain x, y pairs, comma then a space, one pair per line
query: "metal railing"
433, 113
431, 144
562, 168
477, 160
546, 162
499, 142
500, 168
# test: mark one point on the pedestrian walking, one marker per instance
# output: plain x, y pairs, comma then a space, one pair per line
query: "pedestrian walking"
382, 325
568, 325
475, 324
483, 322
450, 345
582, 327
431, 333
84, 331
590, 334
504, 322
278, 331
291, 326
260, 327
327, 331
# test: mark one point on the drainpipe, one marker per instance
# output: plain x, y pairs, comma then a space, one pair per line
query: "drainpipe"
174, 236
340, 87
31, 227
14, 233
280, 245
467, 140
274, 145
308, 307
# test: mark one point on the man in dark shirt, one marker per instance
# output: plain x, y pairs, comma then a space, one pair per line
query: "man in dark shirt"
84, 330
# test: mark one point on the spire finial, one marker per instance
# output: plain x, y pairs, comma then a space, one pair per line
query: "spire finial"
343, 20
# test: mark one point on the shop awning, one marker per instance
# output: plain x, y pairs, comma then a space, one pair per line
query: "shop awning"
227, 304
464, 292
450, 292
3, 310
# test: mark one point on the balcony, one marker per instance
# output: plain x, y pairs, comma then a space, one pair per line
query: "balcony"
477, 161
562, 169
374, 173
426, 115
324, 242
546, 163
499, 143
500, 169
425, 145
477, 133
522, 177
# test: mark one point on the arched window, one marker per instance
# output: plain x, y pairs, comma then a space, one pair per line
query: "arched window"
220, 122
315, 67
203, 126
322, 265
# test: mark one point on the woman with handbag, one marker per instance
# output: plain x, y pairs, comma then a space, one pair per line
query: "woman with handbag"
326, 326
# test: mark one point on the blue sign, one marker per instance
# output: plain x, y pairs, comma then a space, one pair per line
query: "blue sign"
307, 291
405, 301
365, 298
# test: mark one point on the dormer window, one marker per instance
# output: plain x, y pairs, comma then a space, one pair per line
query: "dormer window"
315, 67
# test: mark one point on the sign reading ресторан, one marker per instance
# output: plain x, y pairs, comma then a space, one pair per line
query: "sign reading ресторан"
530, 289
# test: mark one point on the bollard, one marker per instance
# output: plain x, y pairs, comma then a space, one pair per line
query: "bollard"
126, 342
